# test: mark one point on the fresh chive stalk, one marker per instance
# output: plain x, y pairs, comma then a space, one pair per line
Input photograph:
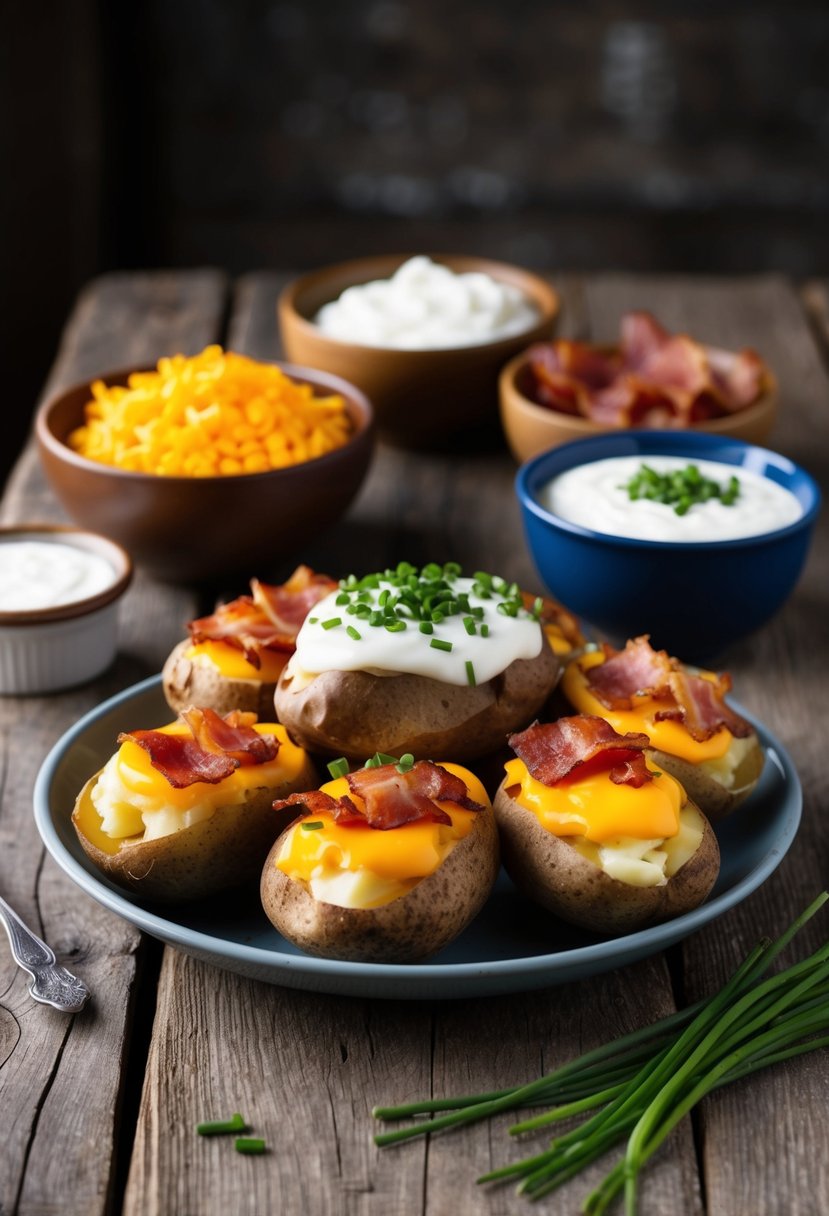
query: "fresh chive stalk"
639, 1087
338, 768
250, 1145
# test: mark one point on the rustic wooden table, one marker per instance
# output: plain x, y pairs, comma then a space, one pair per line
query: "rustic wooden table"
97, 1111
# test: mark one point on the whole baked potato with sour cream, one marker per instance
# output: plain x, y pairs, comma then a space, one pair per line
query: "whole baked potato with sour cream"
422, 661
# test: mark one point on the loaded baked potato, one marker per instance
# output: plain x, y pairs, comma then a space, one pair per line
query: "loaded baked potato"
421, 661
694, 734
386, 864
233, 658
593, 831
187, 810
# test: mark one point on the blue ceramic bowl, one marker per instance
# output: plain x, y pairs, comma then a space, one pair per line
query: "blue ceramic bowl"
694, 599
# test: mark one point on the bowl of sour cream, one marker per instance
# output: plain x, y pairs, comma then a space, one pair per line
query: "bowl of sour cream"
59, 593
424, 337
697, 540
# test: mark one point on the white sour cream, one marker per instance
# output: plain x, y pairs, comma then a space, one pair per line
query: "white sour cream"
425, 306
43, 574
377, 650
593, 495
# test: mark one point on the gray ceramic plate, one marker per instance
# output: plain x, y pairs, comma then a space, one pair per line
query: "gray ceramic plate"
511, 947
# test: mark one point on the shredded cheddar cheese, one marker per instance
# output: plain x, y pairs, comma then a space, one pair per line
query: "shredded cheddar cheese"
214, 414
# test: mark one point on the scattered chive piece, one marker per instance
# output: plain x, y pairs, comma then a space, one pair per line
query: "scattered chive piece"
426, 627
679, 488
395, 626
439, 644
332, 622
313, 620
379, 759
405, 763
484, 630
470, 672
469, 625
247, 1144
222, 1127
338, 768
353, 633
313, 825
342, 598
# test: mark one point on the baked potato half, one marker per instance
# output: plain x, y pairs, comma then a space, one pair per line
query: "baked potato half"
173, 842
593, 831
198, 675
387, 895
695, 735
232, 659
421, 661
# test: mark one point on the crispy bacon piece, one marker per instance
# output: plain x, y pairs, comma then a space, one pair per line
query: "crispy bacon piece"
215, 748
390, 798
232, 735
317, 802
652, 378
267, 619
574, 748
698, 703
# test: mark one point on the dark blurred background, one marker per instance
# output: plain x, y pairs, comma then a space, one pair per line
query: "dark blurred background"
289, 133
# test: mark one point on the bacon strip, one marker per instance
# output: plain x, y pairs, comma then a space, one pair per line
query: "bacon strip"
652, 378
215, 748
698, 703
268, 619
573, 748
389, 798
232, 735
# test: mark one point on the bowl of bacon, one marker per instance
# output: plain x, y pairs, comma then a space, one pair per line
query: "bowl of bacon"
558, 391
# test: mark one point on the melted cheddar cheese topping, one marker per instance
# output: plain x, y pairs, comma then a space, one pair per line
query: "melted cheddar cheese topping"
639, 836
230, 661
364, 867
132, 802
665, 736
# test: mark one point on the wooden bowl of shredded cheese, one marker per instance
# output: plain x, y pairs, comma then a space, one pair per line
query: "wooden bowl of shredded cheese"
210, 464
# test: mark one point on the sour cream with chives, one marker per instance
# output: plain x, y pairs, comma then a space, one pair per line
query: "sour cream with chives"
459, 630
595, 496
427, 306
39, 574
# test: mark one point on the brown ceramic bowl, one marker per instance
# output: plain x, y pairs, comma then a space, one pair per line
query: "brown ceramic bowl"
420, 396
187, 529
531, 428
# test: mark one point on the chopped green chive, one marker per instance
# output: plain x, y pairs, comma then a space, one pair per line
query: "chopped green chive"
469, 625
405, 763
338, 768
247, 1144
332, 622
426, 627
395, 626
313, 825
680, 488
313, 620
379, 759
484, 630
223, 1127
342, 598
470, 673
439, 644
353, 633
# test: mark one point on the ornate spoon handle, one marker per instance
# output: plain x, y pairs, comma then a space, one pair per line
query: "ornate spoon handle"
51, 984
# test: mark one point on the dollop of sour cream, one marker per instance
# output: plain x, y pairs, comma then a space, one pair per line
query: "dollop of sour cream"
425, 306
594, 496
460, 656
38, 574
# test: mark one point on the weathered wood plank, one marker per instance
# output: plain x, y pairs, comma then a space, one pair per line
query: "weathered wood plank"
320, 1063
765, 1163
59, 1077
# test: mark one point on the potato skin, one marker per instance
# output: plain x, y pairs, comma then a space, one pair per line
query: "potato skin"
186, 683
551, 873
355, 714
711, 796
220, 852
406, 930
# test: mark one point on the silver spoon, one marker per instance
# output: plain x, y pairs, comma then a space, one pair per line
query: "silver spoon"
51, 984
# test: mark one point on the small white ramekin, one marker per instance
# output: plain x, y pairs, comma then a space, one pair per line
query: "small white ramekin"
46, 649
